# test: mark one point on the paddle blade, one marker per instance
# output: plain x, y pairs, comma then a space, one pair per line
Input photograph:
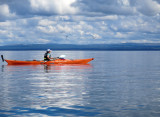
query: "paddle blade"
2, 58
62, 56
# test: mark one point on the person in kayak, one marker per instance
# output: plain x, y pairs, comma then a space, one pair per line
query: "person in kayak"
47, 55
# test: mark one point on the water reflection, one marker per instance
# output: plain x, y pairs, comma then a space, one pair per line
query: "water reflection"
120, 84
58, 88
51, 111
50, 68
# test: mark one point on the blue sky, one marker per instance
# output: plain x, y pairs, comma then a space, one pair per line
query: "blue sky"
79, 21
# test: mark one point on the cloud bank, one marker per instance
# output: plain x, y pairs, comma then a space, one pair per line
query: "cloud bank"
79, 21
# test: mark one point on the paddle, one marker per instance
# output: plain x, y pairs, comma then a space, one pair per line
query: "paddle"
2, 58
62, 56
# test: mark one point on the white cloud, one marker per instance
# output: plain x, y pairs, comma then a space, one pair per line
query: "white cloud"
74, 21
107, 7
140, 41
96, 36
95, 18
81, 32
10, 35
124, 2
3, 31
147, 7
53, 6
113, 27
5, 12
93, 35
120, 35
45, 22
5, 24
61, 18
64, 28
47, 29
42, 41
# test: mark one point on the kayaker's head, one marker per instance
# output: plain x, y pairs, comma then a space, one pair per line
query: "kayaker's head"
48, 50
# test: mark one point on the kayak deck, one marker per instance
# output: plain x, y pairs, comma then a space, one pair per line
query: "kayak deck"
57, 61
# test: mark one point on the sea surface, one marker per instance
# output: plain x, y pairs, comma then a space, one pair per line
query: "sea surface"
114, 84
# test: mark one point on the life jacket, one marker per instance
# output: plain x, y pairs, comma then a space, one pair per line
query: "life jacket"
45, 56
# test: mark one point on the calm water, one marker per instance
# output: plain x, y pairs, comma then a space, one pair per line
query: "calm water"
115, 84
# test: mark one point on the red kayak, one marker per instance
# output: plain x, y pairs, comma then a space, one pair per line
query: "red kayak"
57, 61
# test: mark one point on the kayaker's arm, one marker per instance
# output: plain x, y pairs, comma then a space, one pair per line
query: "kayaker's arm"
49, 57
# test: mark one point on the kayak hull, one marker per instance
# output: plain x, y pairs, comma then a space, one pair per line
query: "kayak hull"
57, 61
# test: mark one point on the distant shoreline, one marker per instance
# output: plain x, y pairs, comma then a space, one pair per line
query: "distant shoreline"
82, 50
89, 47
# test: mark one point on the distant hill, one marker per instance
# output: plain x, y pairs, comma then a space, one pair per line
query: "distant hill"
122, 46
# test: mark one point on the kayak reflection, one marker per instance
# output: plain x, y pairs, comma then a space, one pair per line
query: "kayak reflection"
59, 67
47, 68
